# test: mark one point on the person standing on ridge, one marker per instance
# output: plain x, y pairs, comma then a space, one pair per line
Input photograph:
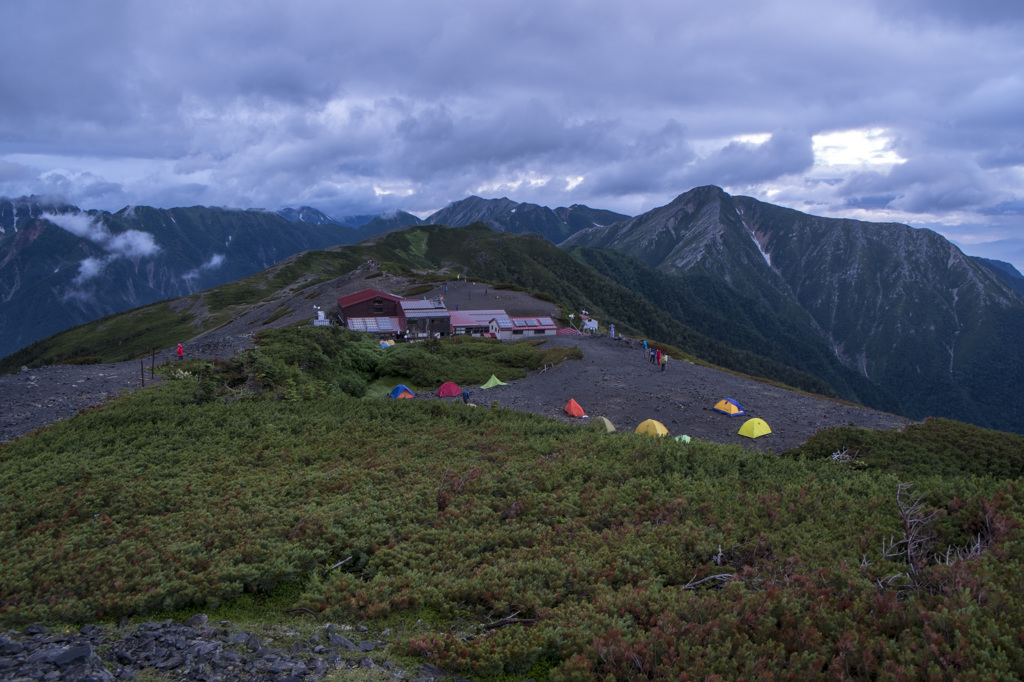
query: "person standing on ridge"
181, 352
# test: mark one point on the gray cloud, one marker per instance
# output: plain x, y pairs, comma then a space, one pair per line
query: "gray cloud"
358, 108
745, 164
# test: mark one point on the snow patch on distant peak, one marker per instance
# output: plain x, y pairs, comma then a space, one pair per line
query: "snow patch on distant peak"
757, 242
764, 254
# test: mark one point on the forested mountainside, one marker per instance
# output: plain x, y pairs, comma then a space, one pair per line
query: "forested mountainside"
902, 307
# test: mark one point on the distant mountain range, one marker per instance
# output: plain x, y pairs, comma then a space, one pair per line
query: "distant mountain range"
505, 215
882, 314
61, 266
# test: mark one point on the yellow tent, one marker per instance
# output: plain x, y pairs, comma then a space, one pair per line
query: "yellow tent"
651, 427
605, 423
754, 428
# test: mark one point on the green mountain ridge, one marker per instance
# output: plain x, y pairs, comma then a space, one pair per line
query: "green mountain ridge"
902, 307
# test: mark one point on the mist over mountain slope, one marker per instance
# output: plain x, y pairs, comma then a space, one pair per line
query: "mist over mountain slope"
61, 266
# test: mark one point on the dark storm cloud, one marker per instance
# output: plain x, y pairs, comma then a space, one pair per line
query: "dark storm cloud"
364, 107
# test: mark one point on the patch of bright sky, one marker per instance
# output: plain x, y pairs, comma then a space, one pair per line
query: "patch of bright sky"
507, 185
858, 147
756, 138
381, 191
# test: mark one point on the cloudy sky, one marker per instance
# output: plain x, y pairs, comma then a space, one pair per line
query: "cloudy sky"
888, 110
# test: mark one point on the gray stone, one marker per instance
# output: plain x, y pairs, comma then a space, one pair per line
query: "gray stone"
9, 648
197, 621
337, 640
174, 661
71, 655
430, 670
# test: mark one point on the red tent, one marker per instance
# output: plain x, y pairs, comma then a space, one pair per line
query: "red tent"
448, 389
573, 409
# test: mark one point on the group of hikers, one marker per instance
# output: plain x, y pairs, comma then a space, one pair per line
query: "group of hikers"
657, 357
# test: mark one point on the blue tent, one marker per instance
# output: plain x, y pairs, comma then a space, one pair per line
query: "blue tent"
401, 391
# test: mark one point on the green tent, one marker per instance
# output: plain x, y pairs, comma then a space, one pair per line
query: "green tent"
682, 439
604, 423
493, 381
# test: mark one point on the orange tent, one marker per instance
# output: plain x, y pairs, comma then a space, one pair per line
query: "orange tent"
573, 409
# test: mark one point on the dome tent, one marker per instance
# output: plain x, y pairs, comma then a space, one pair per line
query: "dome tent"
754, 428
448, 389
651, 427
730, 407
401, 391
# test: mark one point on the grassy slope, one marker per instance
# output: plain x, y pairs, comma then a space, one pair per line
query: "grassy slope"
123, 336
453, 516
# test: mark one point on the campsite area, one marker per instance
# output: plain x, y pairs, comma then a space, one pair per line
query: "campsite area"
614, 379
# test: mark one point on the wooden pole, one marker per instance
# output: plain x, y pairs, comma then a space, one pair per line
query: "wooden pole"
142, 371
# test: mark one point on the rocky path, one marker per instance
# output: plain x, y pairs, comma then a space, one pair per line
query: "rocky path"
196, 651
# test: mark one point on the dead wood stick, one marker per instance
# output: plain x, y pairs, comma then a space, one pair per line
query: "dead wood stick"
303, 609
722, 577
336, 565
510, 621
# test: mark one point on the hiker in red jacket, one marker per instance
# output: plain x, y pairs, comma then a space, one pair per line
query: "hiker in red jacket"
181, 352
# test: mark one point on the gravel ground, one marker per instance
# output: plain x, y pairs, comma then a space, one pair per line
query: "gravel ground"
614, 378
